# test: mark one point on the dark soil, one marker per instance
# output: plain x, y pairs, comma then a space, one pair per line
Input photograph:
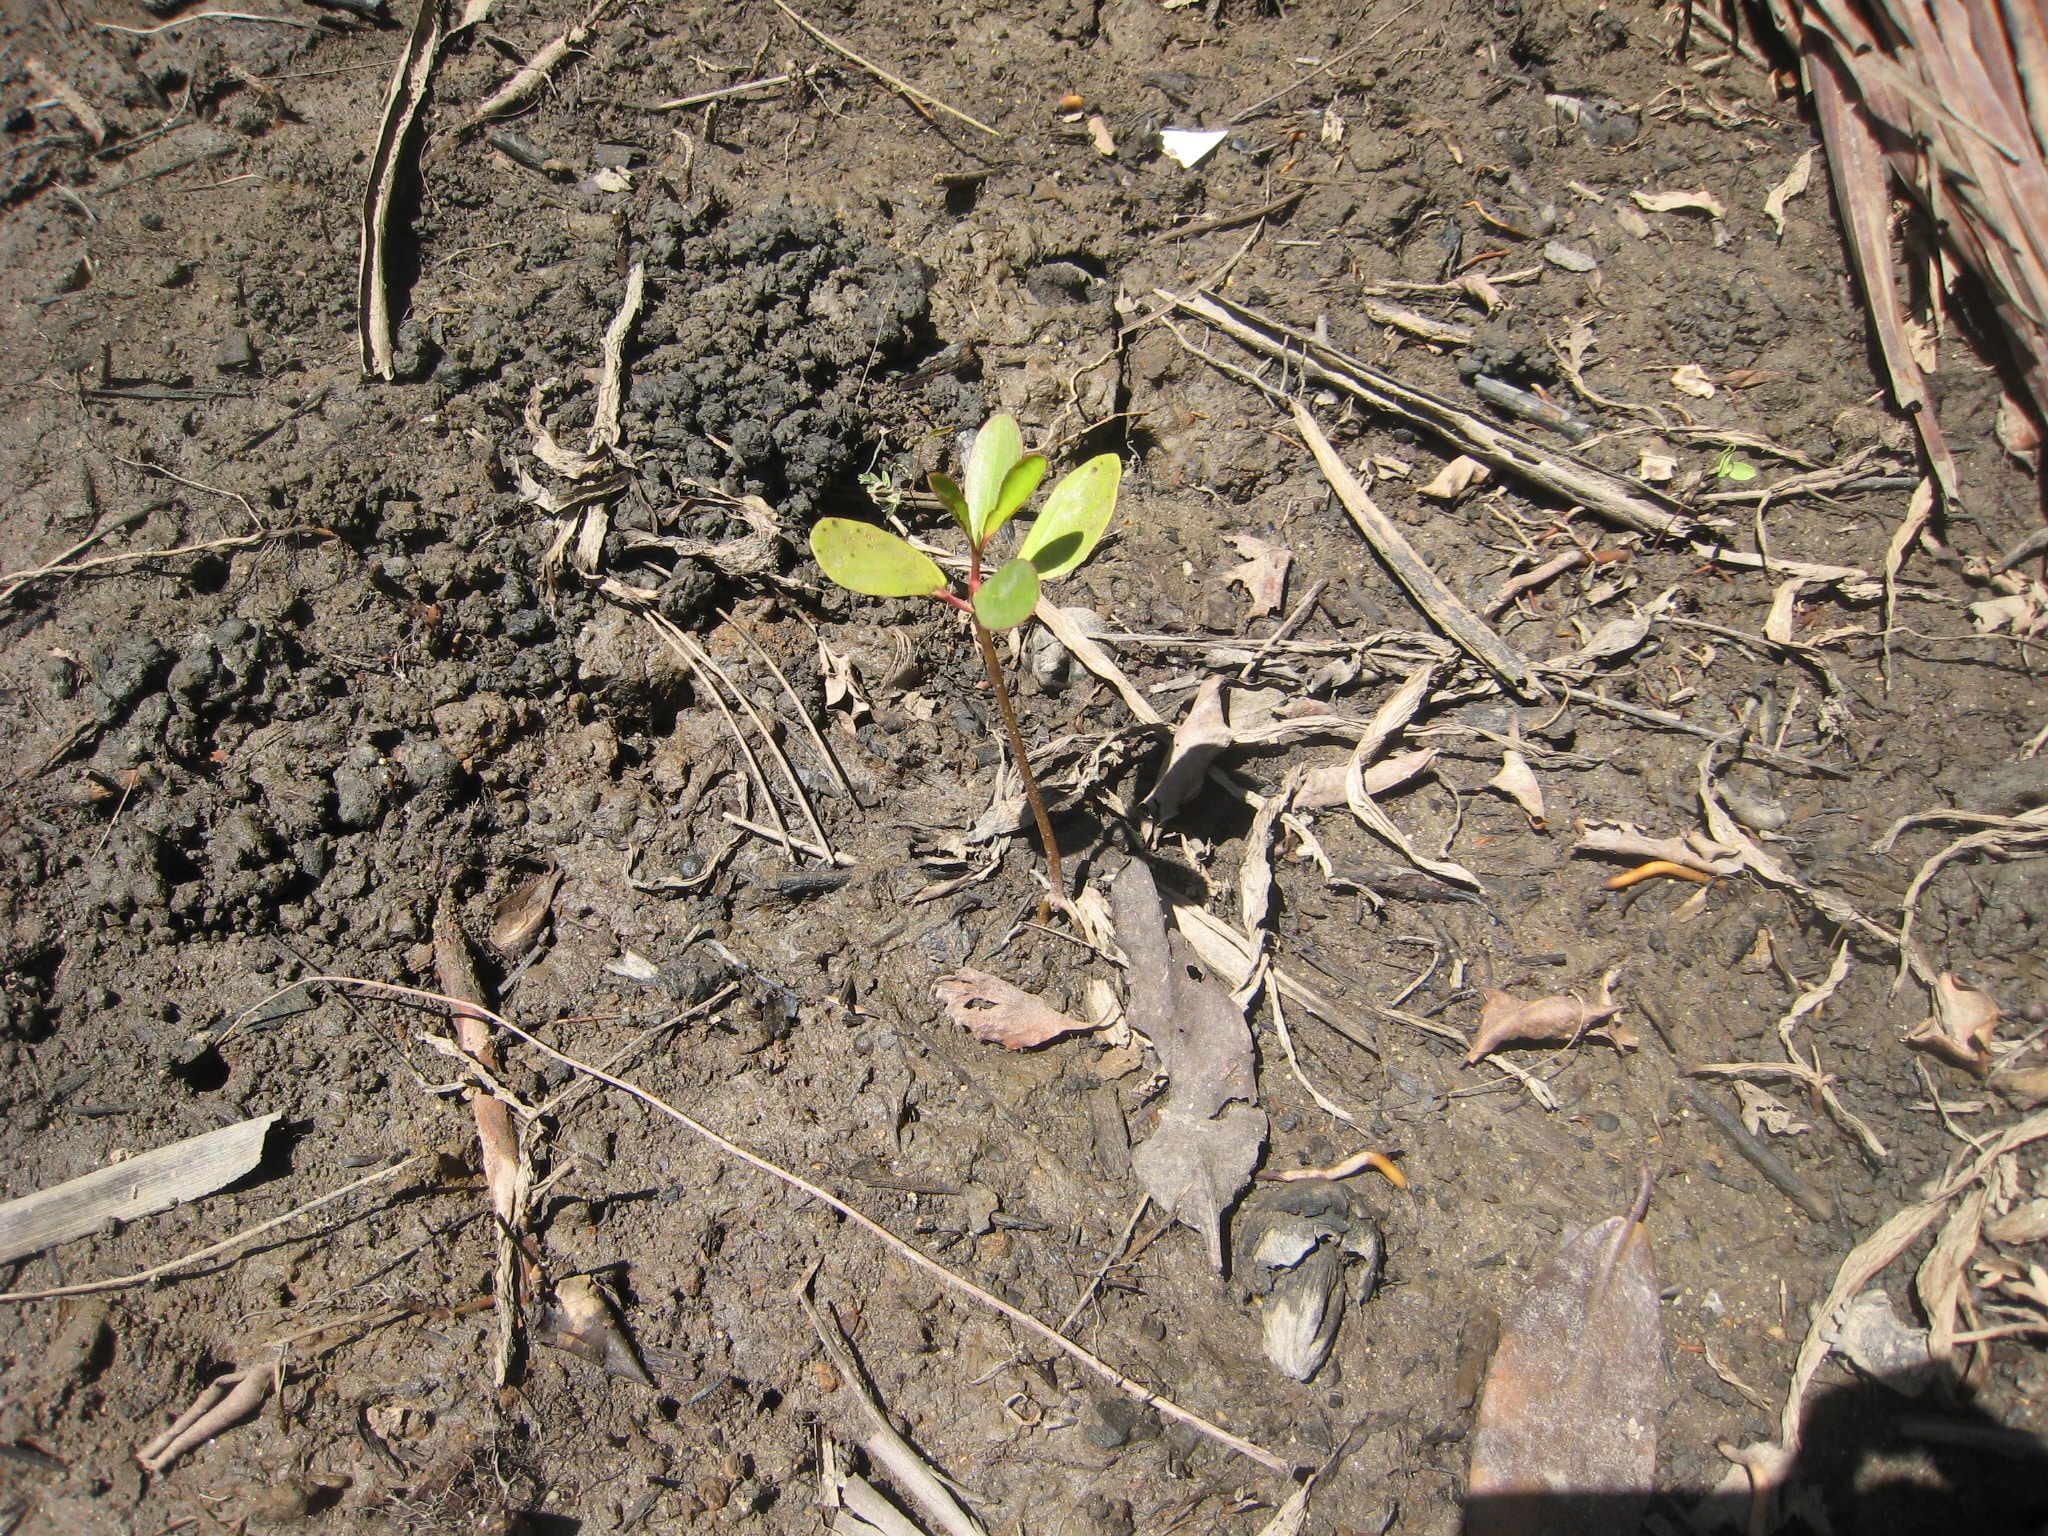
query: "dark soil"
234, 769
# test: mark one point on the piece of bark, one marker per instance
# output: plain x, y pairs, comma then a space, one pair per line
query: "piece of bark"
142, 1185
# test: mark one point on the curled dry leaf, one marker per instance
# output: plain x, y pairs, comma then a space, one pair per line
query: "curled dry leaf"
2022, 612
842, 684
1959, 1030
1680, 202
1781, 621
1795, 182
1456, 478
1657, 468
1517, 781
1263, 574
1323, 788
2016, 432
1566, 1439
1763, 1111
583, 1321
1692, 380
990, 1009
518, 921
1196, 741
1506, 1019
1870, 1334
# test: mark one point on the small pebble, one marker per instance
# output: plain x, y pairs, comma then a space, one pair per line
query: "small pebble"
1603, 1121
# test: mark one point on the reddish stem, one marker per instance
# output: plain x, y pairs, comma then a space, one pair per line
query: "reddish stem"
995, 681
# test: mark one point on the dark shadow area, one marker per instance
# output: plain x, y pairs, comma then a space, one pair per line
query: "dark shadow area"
1872, 1464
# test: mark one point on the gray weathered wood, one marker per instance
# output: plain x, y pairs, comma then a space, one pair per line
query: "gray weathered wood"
1443, 606
152, 1181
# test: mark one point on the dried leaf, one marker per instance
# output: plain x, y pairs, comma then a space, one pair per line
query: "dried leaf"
583, 1321
1568, 1422
2026, 1089
1657, 468
1920, 342
1323, 788
1558, 254
1692, 380
1631, 222
1943, 1281
1680, 202
1196, 741
990, 1009
1210, 1129
1795, 182
1264, 573
1507, 1019
1456, 478
2024, 1224
1780, 623
1763, 1111
1100, 136
1696, 852
2016, 432
1291, 1242
2022, 612
1517, 781
518, 921
1960, 1029
842, 684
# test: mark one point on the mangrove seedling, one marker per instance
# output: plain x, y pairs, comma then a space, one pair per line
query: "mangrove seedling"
999, 478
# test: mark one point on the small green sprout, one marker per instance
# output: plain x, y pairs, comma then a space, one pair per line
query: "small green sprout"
1729, 467
999, 478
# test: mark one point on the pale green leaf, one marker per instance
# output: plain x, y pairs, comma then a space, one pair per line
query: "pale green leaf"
997, 448
948, 492
1074, 517
1006, 599
864, 558
1018, 485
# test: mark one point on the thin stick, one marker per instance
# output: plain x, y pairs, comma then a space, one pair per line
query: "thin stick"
789, 839
1790, 761
1327, 1105
912, 1255
16, 580
796, 786
995, 681
675, 639
1288, 626
912, 1472
201, 1255
896, 82
1443, 606
1321, 69
186, 21
1115, 1256
705, 98
802, 714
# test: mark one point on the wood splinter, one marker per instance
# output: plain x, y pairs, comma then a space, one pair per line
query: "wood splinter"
224, 1404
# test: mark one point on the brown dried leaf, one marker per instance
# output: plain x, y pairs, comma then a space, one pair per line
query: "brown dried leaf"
1210, 1129
518, 920
1680, 202
1196, 741
1517, 780
1323, 788
1506, 1019
1960, 1029
990, 1009
1456, 478
1795, 182
1263, 574
1567, 1425
583, 1321
1692, 380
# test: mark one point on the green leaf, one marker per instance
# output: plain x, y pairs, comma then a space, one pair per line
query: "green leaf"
1073, 517
1006, 599
997, 448
1018, 485
1739, 471
948, 492
864, 558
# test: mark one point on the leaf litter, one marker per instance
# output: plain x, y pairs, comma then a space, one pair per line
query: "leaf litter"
1566, 1438
1200, 1157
